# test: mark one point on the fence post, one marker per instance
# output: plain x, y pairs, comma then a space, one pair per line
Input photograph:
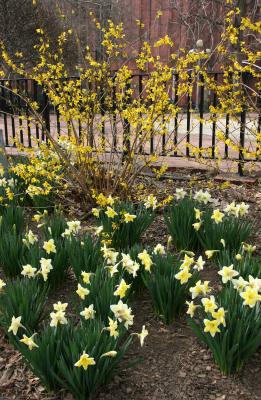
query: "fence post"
242, 134
46, 115
126, 127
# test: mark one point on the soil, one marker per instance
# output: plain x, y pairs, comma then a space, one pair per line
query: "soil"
173, 364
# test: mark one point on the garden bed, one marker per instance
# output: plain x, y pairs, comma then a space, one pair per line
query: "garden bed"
173, 364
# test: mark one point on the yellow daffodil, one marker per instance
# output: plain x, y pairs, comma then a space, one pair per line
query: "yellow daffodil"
219, 315
209, 304
110, 212
86, 277
239, 284
183, 275
15, 325
82, 291
202, 197
191, 308
129, 217
199, 289
211, 326
210, 253
249, 248
60, 306
122, 289
85, 361
222, 241
197, 226
187, 262
112, 328
96, 212
2, 284
250, 296
198, 213
228, 273
46, 267
49, 246
111, 353
159, 249
146, 260
88, 312
238, 257
29, 341
217, 216
144, 333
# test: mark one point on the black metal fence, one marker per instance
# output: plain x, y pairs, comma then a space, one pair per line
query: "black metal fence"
16, 124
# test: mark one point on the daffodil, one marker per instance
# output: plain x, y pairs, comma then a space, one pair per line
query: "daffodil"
2, 284
85, 361
122, 289
96, 212
60, 306
111, 353
15, 325
180, 193
49, 246
200, 289
210, 253
129, 265
202, 197
86, 277
151, 202
57, 318
209, 304
198, 213
112, 328
222, 241
183, 275
243, 209
197, 226
46, 267
187, 262
239, 284
30, 238
74, 226
98, 230
219, 315
238, 257
29, 341
159, 249
110, 212
211, 326
217, 216
113, 269
254, 283
28, 271
191, 308
122, 312
249, 248
144, 333
129, 217
199, 265
227, 273
250, 296
146, 260
82, 291
88, 312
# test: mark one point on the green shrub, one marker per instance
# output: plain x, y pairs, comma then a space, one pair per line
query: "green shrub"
12, 216
85, 255
232, 230
24, 298
167, 292
233, 344
56, 358
179, 218
12, 251
121, 232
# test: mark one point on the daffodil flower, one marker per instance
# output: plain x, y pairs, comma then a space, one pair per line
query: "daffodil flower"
85, 361
29, 341
211, 326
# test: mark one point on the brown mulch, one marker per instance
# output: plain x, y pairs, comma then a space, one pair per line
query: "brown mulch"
173, 364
